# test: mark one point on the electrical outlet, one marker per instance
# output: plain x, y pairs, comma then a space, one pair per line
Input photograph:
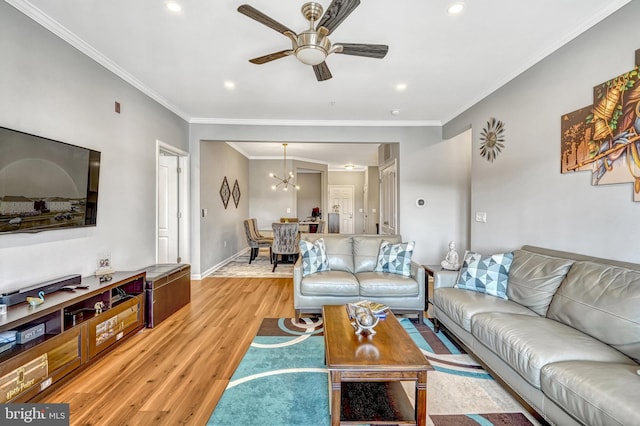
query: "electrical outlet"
481, 217
288, 209
204, 212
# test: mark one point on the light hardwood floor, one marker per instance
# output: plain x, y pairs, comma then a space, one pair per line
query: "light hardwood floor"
175, 373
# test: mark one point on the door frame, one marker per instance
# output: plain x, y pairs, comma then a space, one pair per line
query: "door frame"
184, 223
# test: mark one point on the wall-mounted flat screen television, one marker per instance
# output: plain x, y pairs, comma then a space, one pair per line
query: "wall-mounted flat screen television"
46, 184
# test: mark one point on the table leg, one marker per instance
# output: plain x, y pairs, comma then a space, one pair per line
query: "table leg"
336, 398
421, 399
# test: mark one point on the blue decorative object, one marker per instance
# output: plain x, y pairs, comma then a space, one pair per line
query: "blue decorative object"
35, 301
485, 274
395, 258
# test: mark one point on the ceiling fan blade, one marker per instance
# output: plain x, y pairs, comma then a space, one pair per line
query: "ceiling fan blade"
254, 13
322, 71
378, 51
271, 57
337, 12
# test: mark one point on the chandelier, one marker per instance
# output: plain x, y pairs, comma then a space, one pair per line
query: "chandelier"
288, 179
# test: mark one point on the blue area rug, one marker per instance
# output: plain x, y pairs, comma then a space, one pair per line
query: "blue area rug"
282, 381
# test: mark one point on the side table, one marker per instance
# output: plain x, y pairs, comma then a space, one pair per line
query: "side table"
429, 271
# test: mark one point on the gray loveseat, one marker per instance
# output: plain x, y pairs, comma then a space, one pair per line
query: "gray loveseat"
567, 340
352, 260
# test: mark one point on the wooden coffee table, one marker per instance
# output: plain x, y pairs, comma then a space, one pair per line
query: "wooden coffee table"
370, 369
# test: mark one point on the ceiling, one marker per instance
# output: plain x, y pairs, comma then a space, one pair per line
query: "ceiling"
187, 60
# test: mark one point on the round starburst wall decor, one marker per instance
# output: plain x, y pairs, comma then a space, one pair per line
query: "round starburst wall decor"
492, 139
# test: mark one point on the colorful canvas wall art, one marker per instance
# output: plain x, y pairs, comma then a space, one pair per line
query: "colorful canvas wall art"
604, 138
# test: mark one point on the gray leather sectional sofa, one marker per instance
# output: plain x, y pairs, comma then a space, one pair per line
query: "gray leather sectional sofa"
567, 340
352, 260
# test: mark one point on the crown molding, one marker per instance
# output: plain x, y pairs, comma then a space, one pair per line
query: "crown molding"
319, 123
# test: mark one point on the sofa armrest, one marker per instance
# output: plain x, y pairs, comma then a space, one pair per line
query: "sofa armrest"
297, 279
444, 278
417, 273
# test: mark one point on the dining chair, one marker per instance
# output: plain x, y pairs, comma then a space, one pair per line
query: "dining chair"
285, 242
255, 240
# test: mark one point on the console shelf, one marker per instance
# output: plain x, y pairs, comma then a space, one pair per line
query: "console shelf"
79, 326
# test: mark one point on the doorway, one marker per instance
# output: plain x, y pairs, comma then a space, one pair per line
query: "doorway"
172, 205
341, 198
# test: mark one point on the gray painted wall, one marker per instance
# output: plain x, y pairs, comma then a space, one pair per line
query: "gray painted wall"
222, 229
51, 89
428, 168
526, 198
310, 193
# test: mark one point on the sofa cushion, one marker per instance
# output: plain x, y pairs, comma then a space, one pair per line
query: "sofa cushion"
596, 393
461, 305
534, 279
330, 283
529, 343
314, 257
366, 249
339, 250
386, 284
602, 301
395, 258
485, 274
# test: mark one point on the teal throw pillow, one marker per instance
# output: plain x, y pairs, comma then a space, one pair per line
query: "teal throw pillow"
395, 258
314, 257
485, 274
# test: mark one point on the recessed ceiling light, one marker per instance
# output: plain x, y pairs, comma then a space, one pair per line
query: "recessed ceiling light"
349, 166
229, 85
455, 8
174, 7
401, 87
395, 112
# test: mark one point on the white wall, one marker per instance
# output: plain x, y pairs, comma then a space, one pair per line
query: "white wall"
50, 89
526, 198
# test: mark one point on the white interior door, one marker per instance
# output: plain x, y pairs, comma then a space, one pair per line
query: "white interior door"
388, 200
168, 210
343, 196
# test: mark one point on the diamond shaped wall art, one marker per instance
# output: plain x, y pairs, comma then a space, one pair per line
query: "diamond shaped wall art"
235, 192
225, 193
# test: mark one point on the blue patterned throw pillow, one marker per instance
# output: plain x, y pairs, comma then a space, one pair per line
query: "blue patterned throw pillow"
314, 257
485, 274
395, 258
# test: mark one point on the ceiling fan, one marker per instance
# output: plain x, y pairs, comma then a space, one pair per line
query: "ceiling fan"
312, 46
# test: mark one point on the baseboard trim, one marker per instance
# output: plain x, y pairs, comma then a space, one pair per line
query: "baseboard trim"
214, 268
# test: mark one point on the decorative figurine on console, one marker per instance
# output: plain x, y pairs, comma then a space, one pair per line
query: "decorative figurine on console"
35, 301
451, 260
105, 271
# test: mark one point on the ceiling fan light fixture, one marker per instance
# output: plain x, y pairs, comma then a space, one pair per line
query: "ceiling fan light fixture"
311, 55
